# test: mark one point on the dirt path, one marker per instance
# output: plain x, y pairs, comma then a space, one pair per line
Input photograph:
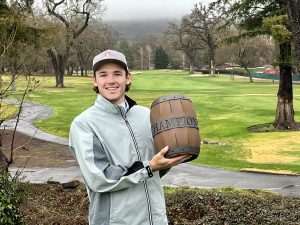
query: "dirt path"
32, 152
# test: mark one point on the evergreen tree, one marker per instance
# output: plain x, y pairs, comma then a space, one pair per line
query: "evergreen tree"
161, 59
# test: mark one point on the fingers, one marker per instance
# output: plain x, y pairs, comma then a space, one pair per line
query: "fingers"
179, 159
164, 150
184, 159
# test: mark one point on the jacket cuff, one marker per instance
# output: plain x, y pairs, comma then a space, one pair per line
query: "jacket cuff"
137, 165
147, 169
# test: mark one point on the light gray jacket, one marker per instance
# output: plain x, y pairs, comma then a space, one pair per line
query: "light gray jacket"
113, 149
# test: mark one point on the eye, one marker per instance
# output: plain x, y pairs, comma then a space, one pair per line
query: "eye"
102, 75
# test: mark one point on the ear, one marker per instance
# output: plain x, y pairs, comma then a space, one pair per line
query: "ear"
128, 78
94, 81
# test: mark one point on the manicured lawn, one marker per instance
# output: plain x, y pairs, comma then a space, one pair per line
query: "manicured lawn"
225, 108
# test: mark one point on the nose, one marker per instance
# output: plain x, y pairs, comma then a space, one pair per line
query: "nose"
110, 78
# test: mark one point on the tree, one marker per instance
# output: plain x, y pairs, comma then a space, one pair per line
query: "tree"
293, 8
144, 46
9, 210
204, 23
149, 52
248, 52
259, 17
161, 59
141, 53
74, 17
95, 39
182, 39
16, 33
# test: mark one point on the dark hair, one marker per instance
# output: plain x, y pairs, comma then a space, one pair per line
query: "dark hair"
126, 88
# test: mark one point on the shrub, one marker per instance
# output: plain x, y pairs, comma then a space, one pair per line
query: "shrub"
9, 203
196, 206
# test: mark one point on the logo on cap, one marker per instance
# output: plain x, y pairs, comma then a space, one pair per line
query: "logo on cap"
107, 53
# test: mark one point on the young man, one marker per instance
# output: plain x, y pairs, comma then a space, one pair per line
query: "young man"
113, 145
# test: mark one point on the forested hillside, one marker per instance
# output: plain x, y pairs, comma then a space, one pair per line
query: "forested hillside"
132, 29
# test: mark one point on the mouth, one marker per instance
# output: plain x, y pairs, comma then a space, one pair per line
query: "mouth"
111, 88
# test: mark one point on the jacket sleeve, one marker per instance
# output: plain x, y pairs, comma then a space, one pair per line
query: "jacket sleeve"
97, 171
163, 172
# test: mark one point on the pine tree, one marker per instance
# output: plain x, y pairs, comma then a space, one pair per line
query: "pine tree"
161, 59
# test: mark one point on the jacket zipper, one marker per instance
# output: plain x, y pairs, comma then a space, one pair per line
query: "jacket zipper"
140, 159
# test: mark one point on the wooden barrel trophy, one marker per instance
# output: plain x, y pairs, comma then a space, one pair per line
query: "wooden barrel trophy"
174, 124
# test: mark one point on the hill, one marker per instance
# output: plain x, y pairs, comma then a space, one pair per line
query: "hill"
132, 29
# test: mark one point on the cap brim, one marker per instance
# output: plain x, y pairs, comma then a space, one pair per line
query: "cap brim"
104, 61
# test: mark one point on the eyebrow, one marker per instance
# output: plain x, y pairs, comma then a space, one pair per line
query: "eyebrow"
115, 71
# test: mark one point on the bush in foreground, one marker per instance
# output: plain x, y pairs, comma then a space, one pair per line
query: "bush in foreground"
188, 206
9, 200
51, 204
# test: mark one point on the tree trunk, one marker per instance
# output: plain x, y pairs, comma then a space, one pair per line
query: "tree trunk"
212, 61
1, 64
60, 75
70, 69
81, 71
13, 86
191, 71
191, 68
191, 59
212, 68
3, 160
285, 111
3, 163
142, 62
59, 63
293, 7
81, 63
249, 74
183, 61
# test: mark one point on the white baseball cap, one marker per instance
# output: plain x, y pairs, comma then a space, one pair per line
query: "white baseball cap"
109, 56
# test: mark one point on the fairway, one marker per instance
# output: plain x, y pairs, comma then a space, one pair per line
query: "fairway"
225, 108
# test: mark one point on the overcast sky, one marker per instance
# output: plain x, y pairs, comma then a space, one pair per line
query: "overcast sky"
139, 9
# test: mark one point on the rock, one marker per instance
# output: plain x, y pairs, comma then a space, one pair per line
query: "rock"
71, 185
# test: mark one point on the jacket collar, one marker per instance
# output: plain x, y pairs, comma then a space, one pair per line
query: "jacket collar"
130, 102
105, 105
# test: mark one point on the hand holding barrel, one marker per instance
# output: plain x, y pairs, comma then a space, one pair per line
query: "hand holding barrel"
159, 162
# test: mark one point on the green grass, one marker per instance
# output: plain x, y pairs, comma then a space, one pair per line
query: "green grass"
7, 110
225, 108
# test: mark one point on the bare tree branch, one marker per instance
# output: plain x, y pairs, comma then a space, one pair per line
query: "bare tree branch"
51, 7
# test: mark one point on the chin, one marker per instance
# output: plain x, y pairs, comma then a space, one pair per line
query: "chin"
112, 99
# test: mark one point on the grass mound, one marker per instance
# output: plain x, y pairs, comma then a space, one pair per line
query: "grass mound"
267, 127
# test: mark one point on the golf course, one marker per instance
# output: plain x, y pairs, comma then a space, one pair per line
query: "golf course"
225, 108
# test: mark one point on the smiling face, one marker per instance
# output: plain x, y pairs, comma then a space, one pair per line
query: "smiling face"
111, 80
